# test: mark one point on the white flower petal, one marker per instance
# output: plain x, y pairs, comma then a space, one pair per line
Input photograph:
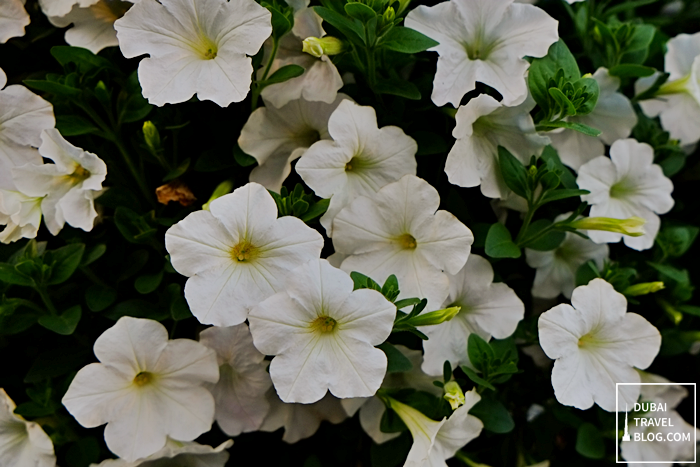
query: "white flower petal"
13, 19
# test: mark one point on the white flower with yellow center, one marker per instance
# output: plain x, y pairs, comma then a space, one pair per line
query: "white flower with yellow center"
301, 421
625, 185
194, 47
22, 443
361, 159
321, 79
483, 125
178, 454
23, 116
145, 388
596, 344
237, 253
613, 115
435, 442
323, 334
677, 103
276, 137
13, 19
488, 309
484, 41
241, 405
399, 231
93, 26
68, 187
556, 269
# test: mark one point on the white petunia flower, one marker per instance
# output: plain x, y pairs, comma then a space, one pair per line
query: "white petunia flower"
654, 450
93, 26
22, 443
237, 253
178, 454
145, 388
625, 185
194, 47
372, 409
320, 81
596, 344
677, 103
63, 7
483, 125
398, 231
20, 214
301, 421
69, 186
488, 309
556, 269
484, 41
323, 334
435, 442
13, 20
277, 137
23, 117
241, 405
361, 159
613, 115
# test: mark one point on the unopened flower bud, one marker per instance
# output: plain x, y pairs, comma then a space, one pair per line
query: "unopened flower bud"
634, 226
454, 395
322, 46
435, 317
222, 189
643, 289
151, 135
389, 15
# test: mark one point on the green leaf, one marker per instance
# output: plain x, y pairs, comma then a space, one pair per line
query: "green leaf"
148, 282
52, 87
93, 254
34, 410
73, 125
675, 241
563, 101
499, 243
64, 324
178, 171
551, 157
589, 442
407, 40
280, 23
479, 351
317, 209
403, 303
243, 159
283, 74
99, 298
629, 70
134, 228
543, 69
514, 172
562, 194
429, 143
359, 11
637, 48
398, 363
549, 241
83, 58
352, 29
65, 261
398, 87
471, 374
590, 87
678, 275
580, 127
10, 275
179, 309
494, 415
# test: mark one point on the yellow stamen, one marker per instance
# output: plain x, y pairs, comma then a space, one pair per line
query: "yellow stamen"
143, 378
408, 242
244, 251
324, 324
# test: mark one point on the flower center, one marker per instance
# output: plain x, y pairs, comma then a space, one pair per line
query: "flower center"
208, 48
621, 189
324, 324
79, 174
408, 242
244, 252
210, 53
143, 378
586, 340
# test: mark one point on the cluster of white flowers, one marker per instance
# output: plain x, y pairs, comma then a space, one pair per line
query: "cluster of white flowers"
291, 343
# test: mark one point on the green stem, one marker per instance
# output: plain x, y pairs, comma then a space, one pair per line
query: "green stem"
463, 457
93, 277
257, 88
371, 68
29, 304
132, 168
47, 301
526, 222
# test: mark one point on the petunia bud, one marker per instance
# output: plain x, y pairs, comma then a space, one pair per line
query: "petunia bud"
389, 15
633, 226
643, 289
435, 317
454, 395
151, 135
322, 46
222, 189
